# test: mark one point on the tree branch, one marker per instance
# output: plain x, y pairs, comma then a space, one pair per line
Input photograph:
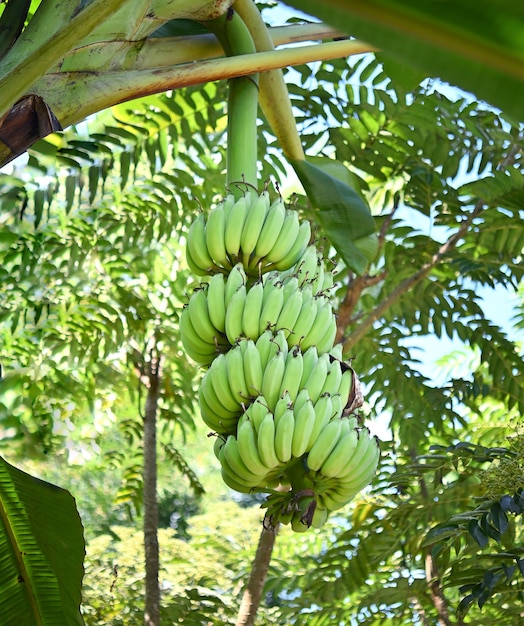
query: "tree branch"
408, 284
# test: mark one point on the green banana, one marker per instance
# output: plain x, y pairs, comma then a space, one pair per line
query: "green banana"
365, 472
366, 445
215, 230
271, 306
255, 218
236, 278
292, 373
252, 311
253, 368
306, 318
236, 376
297, 249
283, 404
333, 379
197, 247
286, 239
337, 460
218, 373
266, 441
317, 332
233, 230
230, 458
304, 424
328, 339
306, 267
272, 378
290, 312
317, 377
247, 446
323, 413
325, 442
284, 436
213, 413
199, 314
216, 301
309, 360
320, 517
234, 312
200, 351
270, 231
257, 412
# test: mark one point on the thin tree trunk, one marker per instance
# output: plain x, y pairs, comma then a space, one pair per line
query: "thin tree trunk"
151, 551
257, 578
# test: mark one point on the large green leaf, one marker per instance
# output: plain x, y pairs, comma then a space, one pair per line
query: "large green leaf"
342, 212
475, 45
42, 551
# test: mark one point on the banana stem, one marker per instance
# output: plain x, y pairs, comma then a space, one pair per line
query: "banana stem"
274, 96
242, 104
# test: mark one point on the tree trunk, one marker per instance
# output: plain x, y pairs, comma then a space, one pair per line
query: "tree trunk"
257, 578
151, 551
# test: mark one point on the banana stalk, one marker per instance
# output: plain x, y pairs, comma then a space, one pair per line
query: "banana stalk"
242, 103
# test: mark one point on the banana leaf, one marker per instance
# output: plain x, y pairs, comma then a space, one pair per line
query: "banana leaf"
476, 46
41, 552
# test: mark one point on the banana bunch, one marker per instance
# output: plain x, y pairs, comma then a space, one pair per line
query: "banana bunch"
253, 231
272, 369
276, 392
308, 447
224, 310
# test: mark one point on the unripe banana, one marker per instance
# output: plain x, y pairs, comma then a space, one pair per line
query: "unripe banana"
216, 301
292, 374
323, 320
200, 351
199, 314
270, 231
306, 267
304, 424
235, 279
252, 311
363, 475
328, 339
272, 378
256, 412
323, 445
247, 446
283, 404
320, 517
236, 376
346, 385
215, 243
213, 412
230, 457
309, 359
255, 218
337, 460
253, 369
286, 238
300, 400
290, 312
271, 306
305, 320
266, 346
333, 379
219, 378
197, 247
323, 415
266, 441
366, 445
317, 377
234, 225
234, 313
284, 436
338, 406
297, 249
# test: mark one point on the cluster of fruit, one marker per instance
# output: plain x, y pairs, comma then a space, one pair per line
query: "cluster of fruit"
276, 393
